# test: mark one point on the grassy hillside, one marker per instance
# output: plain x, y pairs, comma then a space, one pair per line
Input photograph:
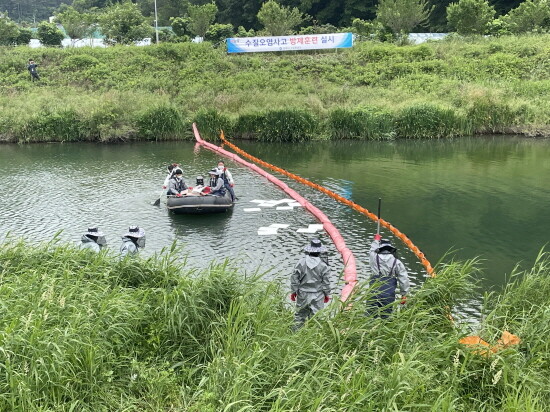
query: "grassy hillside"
374, 90
88, 332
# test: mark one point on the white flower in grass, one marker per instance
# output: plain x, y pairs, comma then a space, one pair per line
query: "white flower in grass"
456, 358
497, 377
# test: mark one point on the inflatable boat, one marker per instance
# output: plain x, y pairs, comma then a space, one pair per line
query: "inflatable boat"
198, 205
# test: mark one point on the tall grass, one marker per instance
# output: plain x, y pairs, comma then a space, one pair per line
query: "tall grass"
478, 86
81, 331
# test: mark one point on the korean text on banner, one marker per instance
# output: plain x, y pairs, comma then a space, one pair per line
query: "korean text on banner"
284, 43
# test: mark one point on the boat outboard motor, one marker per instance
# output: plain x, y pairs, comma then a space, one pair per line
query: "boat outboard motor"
200, 181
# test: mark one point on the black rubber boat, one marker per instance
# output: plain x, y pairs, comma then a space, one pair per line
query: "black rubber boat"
199, 205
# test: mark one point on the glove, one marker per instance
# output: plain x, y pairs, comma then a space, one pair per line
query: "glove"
232, 184
403, 300
164, 187
293, 297
178, 195
377, 237
327, 298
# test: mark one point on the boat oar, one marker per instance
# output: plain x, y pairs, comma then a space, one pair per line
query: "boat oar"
157, 202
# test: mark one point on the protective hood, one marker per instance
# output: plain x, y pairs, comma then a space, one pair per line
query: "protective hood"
312, 261
386, 247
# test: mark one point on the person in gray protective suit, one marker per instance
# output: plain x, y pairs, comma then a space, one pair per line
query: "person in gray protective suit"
387, 271
93, 240
309, 283
132, 241
176, 185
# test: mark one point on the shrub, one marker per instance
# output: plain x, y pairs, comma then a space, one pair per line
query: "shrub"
470, 16
248, 126
80, 62
290, 125
210, 122
428, 121
61, 126
49, 34
25, 36
217, 33
360, 124
241, 32
162, 123
488, 115
529, 16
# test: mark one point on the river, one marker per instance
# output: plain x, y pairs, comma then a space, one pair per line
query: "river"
482, 196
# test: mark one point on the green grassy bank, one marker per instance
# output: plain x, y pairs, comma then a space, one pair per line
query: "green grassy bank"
91, 333
373, 91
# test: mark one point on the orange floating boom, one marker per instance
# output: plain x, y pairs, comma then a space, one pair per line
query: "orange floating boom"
427, 265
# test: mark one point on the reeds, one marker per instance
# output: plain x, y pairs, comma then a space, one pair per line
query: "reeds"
81, 331
435, 90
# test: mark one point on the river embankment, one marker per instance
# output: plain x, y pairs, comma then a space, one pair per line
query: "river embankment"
84, 331
372, 91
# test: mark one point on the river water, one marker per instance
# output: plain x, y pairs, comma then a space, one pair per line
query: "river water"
486, 197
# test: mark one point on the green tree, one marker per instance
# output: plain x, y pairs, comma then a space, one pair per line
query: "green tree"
401, 16
123, 23
278, 20
49, 34
9, 31
180, 25
530, 16
470, 16
25, 36
201, 17
219, 32
77, 25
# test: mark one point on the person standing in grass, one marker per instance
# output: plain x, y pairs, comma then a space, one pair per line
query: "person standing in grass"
31, 67
387, 271
132, 241
310, 283
93, 240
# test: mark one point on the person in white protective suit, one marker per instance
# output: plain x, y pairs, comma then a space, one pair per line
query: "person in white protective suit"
309, 283
93, 240
387, 272
132, 241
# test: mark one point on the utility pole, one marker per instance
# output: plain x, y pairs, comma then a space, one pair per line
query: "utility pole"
156, 23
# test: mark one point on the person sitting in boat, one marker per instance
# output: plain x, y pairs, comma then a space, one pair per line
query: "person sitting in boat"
177, 186
216, 183
227, 179
387, 271
132, 241
93, 240
170, 175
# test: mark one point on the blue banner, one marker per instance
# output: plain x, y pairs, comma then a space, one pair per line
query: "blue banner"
284, 43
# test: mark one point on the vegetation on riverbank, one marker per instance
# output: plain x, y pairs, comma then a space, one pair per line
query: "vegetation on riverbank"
373, 91
80, 331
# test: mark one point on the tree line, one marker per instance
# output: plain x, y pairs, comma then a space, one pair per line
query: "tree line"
240, 12
386, 20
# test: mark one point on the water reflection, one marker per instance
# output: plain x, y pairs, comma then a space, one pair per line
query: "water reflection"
482, 197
